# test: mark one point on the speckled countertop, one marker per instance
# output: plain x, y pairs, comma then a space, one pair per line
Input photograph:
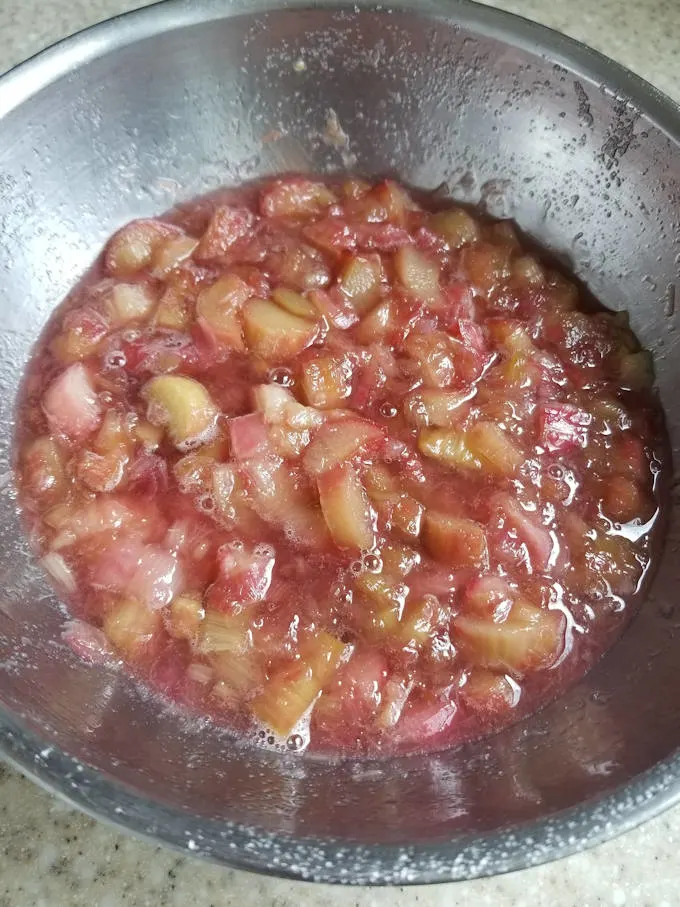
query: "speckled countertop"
52, 856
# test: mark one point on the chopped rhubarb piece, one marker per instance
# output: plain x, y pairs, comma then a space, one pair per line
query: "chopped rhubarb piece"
290, 423
436, 408
636, 370
245, 577
455, 541
226, 226
335, 309
531, 638
354, 188
394, 200
186, 616
406, 516
147, 573
386, 599
132, 248
239, 675
44, 468
623, 499
273, 402
104, 515
379, 481
157, 579
420, 621
295, 303
295, 197
494, 449
293, 689
87, 642
218, 307
378, 323
459, 301
83, 331
486, 266
526, 270
563, 426
417, 273
346, 508
398, 560
472, 335
147, 475
352, 697
224, 482
338, 442
224, 632
487, 692
183, 406
171, 253
274, 333
332, 234
360, 281
248, 436
129, 302
422, 721
434, 579
489, 596
450, 448
102, 472
539, 544
71, 404
436, 355
300, 267
174, 311
455, 226
281, 500
278, 406
383, 237
193, 472
326, 380
60, 572
132, 629
395, 696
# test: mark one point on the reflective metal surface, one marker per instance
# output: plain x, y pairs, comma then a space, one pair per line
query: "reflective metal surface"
155, 107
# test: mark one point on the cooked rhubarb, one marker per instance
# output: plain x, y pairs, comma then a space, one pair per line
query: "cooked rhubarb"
338, 468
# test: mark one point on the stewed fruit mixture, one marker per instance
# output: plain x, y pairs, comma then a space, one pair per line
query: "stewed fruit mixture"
339, 467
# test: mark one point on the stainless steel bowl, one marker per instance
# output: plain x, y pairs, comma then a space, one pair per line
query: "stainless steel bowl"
154, 107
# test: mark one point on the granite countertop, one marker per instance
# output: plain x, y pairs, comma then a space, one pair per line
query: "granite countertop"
52, 855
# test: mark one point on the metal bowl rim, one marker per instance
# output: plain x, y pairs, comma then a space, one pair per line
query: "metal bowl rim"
465, 857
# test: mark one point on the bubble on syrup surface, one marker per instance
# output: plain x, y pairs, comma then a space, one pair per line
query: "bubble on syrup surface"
264, 550
281, 376
206, 503
341, 593
115, 359
295, 742
388, 410
372, 562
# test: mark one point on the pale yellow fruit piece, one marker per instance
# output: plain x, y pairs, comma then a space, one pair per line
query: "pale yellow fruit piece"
274, 333
183, 407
